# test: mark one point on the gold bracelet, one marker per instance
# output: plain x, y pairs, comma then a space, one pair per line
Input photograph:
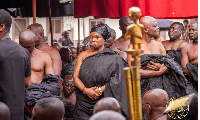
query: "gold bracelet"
100, 90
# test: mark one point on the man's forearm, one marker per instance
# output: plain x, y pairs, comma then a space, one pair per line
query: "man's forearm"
149, 73
187, 72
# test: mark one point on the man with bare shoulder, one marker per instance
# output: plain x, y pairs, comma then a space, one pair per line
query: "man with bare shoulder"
174, 45
40, 44
41, 63
155, 64
121, 44
189, 61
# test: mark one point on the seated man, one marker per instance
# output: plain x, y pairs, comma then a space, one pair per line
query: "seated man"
69, 96
154, 104
107, 115
41, 63
121, 44
189, 61
48, 109
4, 111
155, 63
68, 90
107, 103
68, 64
174, 45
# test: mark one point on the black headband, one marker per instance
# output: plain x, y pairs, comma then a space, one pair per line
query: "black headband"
103, 29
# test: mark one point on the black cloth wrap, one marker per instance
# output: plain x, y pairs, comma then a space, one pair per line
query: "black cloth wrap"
193, 68
103, 29
49, 87
175, 54
102, 68
173, 82
69, 110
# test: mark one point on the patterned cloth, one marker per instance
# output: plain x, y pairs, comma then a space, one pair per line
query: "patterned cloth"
68, 69
173, 82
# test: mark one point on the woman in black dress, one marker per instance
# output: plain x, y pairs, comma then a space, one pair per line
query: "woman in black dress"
98, 73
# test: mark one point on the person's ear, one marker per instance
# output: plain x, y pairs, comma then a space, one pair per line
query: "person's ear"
146, 29
2, 27
147, 108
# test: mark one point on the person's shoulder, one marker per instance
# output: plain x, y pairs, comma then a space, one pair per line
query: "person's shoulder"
165, 42
183, 43
187, 46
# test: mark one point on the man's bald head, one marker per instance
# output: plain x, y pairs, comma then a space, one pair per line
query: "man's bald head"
36, 27
4, 111
154, 100
68, 85
48, 109
39, 32
107, 115
150, 26
107, 103
27, 40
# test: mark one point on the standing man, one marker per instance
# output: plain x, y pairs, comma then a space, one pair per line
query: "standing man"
67, 41
155, 63
15, 70
174, 45
189, 61
40, 44
121, 44
41, 63
185, 32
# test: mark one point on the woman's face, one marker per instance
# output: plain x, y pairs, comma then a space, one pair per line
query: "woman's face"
96, 40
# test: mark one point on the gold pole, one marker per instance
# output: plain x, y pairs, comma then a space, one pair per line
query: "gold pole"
129, 92
134, 32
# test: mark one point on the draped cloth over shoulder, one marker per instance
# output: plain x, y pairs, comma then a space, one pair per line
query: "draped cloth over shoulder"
173, 82
49, 87
102, 68
175, 54
193, 68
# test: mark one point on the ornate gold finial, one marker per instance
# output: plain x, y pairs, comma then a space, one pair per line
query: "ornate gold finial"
134, 32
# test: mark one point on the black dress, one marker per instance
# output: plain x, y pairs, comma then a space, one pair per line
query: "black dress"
102, 68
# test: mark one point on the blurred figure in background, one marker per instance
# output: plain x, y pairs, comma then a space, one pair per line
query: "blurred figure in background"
66, 39
111, 40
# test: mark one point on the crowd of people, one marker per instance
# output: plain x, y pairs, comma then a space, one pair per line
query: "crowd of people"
40, 82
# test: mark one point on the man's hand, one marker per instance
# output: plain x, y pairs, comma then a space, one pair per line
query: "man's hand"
163, 69
154, 66
90, 92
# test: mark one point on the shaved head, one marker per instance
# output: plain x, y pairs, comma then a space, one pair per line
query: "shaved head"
36, 27
108, 103
150, 26
27, 40
4, 111
154, 101
107, 115
48, 109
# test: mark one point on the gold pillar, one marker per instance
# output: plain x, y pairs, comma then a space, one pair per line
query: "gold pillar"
134, 32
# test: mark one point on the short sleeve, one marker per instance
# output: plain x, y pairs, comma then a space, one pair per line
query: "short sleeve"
28, 65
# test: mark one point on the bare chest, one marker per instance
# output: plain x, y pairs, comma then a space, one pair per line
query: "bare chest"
122, 45
37, 64
193, 54
151, 48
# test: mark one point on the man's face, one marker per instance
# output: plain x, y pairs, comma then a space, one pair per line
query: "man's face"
193, 32
66, 34
125, 23
153, 29
96, 40
145, 109
174, 32
74, 54
185, 24
68, 86
110, 41
28, 45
